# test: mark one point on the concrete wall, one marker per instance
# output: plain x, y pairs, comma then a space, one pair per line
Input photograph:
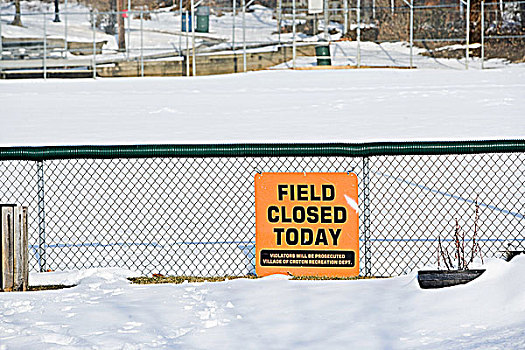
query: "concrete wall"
133, 69
206, 64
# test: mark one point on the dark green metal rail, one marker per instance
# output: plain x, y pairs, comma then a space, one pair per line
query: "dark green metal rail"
262, 150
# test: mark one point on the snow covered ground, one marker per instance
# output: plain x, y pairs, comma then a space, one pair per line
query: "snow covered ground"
271, 106
161, 34
105, 311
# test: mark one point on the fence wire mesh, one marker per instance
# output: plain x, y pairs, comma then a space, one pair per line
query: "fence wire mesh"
196, 216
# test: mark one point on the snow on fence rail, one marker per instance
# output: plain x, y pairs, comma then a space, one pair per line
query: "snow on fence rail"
189, 209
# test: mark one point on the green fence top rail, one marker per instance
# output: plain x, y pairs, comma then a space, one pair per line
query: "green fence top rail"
262, 150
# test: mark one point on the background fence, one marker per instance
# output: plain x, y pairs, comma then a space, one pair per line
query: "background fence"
140, 38
503, 30
189, 210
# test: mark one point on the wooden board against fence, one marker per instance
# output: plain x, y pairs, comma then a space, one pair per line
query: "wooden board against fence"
14, 270
7, 248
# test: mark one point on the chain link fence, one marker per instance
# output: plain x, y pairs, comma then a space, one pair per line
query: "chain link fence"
503, 30
90, 39
189, 210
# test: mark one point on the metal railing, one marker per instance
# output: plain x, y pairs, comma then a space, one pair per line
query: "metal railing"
189, 209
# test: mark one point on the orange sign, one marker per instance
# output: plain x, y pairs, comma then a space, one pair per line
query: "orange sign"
306, 224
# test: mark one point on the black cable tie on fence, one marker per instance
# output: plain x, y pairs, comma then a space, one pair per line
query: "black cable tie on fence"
262, 150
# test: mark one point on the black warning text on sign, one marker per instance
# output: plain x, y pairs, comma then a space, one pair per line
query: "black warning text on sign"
307, 258
313, 206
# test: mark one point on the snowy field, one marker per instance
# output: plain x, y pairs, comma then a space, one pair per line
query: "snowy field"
106, 312
276, 106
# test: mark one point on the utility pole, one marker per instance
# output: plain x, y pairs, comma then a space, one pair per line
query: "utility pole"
120, 24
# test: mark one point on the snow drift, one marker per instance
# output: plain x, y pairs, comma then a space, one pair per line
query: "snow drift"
105, 311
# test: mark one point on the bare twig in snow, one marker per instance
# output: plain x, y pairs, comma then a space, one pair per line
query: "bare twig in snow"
443, 254
474, 244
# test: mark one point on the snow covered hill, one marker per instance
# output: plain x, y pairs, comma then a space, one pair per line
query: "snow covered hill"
106, 312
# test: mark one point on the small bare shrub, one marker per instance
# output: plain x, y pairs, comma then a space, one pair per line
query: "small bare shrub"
460, 260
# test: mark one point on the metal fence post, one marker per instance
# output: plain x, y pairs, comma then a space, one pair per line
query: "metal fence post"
345, 13
128, 13
293, 34
244, 35
326, 19
187, 45
482, 34
129, 30
411, 33
358, 31
180, 36
45, 48
366, 215
65, 28
1, 44
94, 46
234, 12
142, 43
279, 19
193, 63
41, 217
468, 34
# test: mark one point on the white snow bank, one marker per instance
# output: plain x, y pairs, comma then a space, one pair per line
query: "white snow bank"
271, 106
75, 277
106, 311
